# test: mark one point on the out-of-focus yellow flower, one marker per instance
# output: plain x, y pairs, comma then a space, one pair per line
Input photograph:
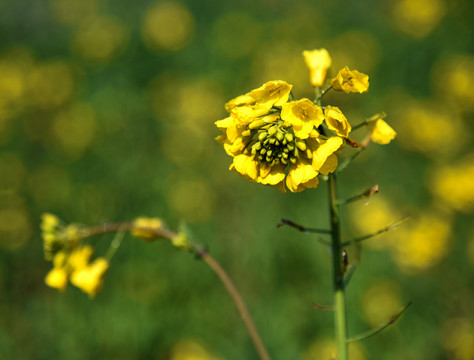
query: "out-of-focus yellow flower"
418, 18
90, 279
429, 128
454, 184
381, 300
380, 131
423, 242
57, 278
74, 129
80, 257
181, 241
318, 61
144, 227
375, 215
336, 121
326, 349
100, 39
167, 26
452, 79
50, 84
266, 141
190, 350
457, 337
49, 222
72, 12
350, 81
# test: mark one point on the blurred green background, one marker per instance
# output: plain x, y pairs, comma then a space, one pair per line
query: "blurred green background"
107, 112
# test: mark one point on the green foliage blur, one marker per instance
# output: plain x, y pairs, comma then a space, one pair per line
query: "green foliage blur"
107, 112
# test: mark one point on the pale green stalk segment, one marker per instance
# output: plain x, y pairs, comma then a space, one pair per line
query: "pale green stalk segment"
338, 276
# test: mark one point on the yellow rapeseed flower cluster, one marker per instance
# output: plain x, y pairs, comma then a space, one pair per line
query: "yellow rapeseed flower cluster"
277, 141
71, 259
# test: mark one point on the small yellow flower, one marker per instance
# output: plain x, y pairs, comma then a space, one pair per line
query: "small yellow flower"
318, 62
336, 121
144, 227
80, 257
381, 132
350, 81
269, 147
49, 222
303, 115
181, 241
90, 279
57, 278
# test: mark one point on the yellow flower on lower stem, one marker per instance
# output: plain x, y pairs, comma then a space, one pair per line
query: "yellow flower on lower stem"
318, 61
350, 81
57, 278
143, 227
90, 279
336, 121
381, 132
80, 257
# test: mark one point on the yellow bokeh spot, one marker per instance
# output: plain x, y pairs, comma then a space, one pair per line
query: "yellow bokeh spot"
452, 79
355, 49
49, 186
100, 39
429, 128
453, 184
13, 172
280, 60
325, 349
191, 200
417, 18
422, 242
380, 301
71, 12
50, 84
235, 34
457, 338
368, 218
190, 350
167, 26
74, 129
15, 224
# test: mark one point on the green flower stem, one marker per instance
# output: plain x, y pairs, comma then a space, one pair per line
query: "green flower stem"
338, 276
209, 260
239, 303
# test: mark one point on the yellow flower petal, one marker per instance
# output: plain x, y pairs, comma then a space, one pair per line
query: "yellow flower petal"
90, 279
143, 227
271, 175
79, 258
325, 149
318, 62
57, 278
329, 165
301, 176
245, 165
303, 115
272, 93
241, 100
244, 115
336, 121
381, 132
350, 81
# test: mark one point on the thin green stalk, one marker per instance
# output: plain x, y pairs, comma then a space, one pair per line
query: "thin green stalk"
338, 276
